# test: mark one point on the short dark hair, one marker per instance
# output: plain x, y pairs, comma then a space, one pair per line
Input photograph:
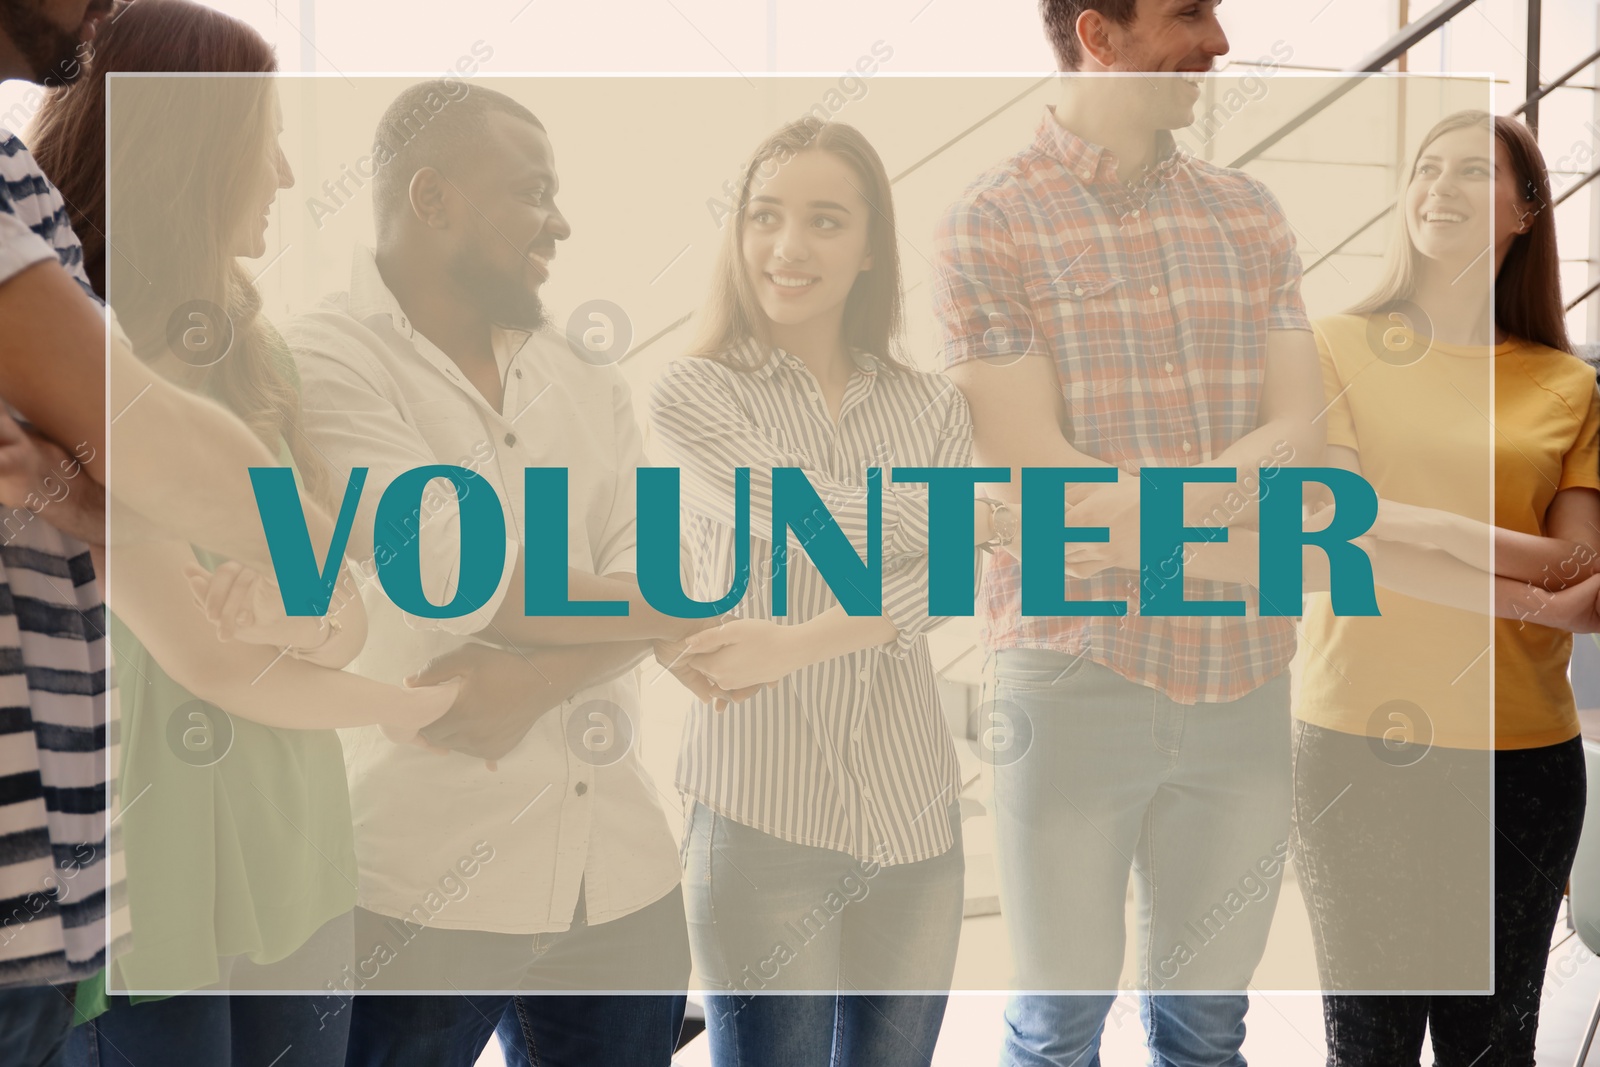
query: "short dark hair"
1061, 24
433, 123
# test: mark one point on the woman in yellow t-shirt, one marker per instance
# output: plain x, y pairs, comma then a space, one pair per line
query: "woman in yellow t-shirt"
1415, 727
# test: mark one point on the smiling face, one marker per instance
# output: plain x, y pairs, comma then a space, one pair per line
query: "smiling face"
507, 222
48, 33
1458, 183
260, 182
806, 236
1180, 39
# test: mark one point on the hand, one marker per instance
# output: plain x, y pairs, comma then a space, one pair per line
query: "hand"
1117, 508
1575, 608
416, 708
245, 605
491, 713
674, 656
746, 653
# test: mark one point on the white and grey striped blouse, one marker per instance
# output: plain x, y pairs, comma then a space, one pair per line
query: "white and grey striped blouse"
851, 754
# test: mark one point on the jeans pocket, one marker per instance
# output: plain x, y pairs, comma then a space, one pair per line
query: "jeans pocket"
1024, 670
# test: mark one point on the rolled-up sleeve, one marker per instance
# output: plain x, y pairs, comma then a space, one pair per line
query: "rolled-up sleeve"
979, 293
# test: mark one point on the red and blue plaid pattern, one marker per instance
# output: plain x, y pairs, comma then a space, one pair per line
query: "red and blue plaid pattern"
1154, 301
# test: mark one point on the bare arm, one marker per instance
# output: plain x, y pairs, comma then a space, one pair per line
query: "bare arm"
151, 594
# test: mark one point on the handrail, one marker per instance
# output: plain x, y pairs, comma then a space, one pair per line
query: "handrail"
1395, 47
1357, 232
1581, 297
1585, 180
1546, 89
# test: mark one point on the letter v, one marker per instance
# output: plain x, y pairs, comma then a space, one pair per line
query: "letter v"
306, 588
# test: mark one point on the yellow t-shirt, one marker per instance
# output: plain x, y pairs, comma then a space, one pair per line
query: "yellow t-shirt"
1417, 414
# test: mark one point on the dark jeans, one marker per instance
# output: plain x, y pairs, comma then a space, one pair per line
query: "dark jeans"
1538, 814
215, 1029
218, 1029
549, 1026
34, 1022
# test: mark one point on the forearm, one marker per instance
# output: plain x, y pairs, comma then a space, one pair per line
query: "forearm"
642, 622
1435, 576
835, 633
80, 512
1277, 443
1046, 449
560, 673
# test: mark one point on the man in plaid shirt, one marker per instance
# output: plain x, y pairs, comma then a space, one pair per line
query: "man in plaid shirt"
1108, 301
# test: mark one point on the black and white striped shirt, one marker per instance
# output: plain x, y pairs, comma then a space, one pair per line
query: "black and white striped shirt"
851, 754
60, 891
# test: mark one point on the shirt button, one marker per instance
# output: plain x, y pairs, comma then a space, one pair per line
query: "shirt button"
1136, 214
866, 794
1087, 174
1078, 291
519, 372
1167, 367
863, 674
1187, 447
1155, 290
511, 438
581, 788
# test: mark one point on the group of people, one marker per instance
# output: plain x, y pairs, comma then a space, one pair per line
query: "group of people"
247, 883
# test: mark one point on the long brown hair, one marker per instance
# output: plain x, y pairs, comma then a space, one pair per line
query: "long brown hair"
873, 311
176, 150
1527, 291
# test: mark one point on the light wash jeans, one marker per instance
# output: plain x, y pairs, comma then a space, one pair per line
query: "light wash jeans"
1193, 800
769, 919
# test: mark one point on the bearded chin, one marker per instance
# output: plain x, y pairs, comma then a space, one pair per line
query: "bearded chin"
503, 299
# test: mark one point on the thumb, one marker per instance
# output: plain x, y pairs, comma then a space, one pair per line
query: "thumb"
437, 670
704, 641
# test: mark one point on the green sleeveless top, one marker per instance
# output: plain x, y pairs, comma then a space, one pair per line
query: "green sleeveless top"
237, 836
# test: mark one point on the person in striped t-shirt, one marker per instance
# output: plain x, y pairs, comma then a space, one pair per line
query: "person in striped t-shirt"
823, 844
56, 876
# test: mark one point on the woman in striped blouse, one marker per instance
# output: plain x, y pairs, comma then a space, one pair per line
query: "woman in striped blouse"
822, 851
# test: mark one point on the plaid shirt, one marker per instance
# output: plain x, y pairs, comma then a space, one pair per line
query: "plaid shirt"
1155, 301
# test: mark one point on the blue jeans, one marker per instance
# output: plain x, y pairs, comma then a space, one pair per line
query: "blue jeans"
1119, 780
769, 917
1180, 1030
34, 1022
548, 1029
215, 1029
563, 1028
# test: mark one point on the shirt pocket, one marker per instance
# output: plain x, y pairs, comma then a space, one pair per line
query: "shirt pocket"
1081, 316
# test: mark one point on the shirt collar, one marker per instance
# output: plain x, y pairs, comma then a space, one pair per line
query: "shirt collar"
370, 297
1085, 158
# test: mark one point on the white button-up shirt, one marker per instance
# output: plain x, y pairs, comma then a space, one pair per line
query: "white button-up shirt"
378, 394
